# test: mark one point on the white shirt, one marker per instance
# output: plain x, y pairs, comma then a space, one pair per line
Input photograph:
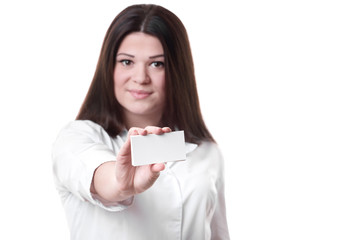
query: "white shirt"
186, 201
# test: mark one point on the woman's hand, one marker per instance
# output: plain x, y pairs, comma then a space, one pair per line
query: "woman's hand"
118, 181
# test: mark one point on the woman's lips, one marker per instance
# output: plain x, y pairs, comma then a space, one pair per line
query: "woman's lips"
140, 94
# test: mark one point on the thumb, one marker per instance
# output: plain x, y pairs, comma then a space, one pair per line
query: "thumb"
146, 176
125, 150
157, 167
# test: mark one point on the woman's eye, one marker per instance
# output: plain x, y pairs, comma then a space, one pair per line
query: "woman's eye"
157, 64
125, 62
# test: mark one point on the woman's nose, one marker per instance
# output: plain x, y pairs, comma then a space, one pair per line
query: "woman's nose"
141, 75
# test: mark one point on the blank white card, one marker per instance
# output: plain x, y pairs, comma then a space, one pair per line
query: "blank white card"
152, 148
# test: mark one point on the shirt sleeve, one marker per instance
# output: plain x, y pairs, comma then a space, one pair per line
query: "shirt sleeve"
81, 147
219, 227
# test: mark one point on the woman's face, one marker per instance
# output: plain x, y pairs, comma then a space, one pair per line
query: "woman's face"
139, 77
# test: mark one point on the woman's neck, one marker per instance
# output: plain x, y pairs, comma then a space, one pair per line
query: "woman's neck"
141, 121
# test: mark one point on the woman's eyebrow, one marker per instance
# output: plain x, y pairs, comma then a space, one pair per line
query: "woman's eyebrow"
132, 56
129, 55
156, 56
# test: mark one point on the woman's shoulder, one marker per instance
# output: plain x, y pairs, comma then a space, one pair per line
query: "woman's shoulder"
80, 134
83, 126
209, 148
209, 156
83, 129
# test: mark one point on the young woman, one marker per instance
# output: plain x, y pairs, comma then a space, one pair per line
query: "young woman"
144, 83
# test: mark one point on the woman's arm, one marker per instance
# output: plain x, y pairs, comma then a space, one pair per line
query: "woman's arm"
219, 227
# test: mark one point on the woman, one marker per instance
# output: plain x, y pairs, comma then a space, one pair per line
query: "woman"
144, 83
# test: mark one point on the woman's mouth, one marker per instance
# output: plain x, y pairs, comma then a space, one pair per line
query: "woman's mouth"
140, 94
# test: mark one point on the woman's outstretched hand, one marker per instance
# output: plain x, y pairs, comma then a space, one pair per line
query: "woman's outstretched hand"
119, 180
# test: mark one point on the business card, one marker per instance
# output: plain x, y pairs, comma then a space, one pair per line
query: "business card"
153, 148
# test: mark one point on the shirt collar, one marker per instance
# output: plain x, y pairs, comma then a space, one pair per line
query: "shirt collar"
189, 147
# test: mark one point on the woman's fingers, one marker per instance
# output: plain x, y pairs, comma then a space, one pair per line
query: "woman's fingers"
148, 130
157, 130
166, 129
137, 131
154, 130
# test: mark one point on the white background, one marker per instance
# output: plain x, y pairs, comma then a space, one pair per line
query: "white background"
279, 89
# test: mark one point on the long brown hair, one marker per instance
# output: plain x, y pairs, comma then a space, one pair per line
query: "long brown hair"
182, 103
